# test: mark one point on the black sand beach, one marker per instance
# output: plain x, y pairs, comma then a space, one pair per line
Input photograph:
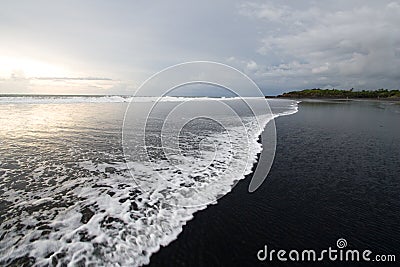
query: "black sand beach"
335, 175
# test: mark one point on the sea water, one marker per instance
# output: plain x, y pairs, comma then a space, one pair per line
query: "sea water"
73, 191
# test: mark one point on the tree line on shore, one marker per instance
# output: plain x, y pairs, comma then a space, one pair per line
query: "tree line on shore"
335, 93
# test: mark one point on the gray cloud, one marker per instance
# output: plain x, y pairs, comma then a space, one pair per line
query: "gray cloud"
72, 78
356, 46
282, 45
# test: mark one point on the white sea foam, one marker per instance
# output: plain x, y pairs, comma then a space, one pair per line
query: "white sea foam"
116, 220
48, 99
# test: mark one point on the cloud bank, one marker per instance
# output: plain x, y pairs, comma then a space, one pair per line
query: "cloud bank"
282, 45
344, 46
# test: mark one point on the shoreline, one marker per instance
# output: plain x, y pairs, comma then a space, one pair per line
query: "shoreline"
336, 99
314, 194
243, 182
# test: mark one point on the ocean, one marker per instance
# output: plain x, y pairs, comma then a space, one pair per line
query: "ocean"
78, 186
335, 176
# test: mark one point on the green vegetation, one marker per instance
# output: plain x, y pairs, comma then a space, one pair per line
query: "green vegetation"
334, 93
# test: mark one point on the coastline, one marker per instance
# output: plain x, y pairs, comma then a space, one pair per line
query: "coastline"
318, 93
325, 183
243, 181
299, 98
341, 99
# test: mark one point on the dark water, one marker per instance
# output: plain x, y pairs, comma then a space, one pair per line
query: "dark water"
335, 175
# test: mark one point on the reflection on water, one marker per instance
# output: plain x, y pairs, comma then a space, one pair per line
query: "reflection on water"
68, 197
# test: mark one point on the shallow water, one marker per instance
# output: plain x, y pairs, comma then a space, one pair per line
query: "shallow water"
69, 194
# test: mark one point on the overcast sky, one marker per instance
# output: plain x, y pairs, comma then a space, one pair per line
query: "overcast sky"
111, 47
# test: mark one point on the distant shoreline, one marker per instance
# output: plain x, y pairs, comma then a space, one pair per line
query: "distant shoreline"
334, 98
330, 94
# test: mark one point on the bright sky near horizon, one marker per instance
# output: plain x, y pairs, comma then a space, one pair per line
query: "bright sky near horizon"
111, 47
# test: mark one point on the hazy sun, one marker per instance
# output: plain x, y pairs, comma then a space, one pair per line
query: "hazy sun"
26, 67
